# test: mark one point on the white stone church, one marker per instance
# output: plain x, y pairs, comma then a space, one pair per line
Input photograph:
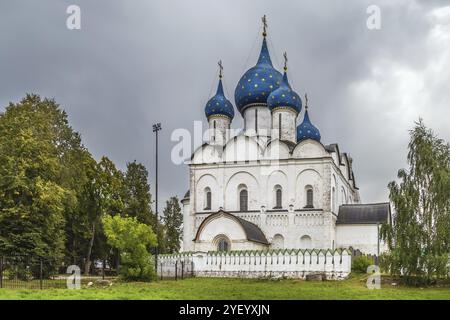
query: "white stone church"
275, 184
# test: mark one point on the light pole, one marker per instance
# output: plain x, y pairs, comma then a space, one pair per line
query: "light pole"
156, 128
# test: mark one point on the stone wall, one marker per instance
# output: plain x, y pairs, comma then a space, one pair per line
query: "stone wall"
285, 263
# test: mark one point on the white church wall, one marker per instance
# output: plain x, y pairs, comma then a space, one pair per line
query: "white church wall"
288, 119
237, 179
277, 180
218, 130
344, 192
276, 150
315, 169
207, 154
309, 149
363, 237
228, 228
291, 226
259, 116
309, 176
344, 167
242, 148
293, 177
207, 181
187, 226
222, 226
334, 156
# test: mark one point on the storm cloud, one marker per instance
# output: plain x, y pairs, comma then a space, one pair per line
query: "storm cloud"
135, 63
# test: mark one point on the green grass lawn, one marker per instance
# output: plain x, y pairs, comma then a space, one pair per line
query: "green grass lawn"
227, 289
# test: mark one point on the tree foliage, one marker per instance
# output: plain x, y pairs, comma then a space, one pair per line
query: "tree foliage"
173, 220
137, 196
35, 140
133, 240
419, 235
54, 195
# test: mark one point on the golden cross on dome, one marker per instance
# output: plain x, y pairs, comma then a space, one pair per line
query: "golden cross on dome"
220, 68
264, 21
285, 61
306, 101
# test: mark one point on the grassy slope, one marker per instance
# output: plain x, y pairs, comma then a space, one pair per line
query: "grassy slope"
205, 288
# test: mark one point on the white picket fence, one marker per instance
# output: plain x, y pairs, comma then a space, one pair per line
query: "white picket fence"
295, 263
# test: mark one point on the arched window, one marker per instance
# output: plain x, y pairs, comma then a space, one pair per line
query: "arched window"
305, 242
278, 241
243, 200
309, 197
223, 245
207, 199
278, 197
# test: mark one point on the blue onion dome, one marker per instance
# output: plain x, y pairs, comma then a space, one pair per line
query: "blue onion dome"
219, 105
284, 97
306, 130
258, 82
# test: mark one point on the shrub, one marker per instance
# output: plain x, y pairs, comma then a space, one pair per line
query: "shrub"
361, 263
18, 273
133, 240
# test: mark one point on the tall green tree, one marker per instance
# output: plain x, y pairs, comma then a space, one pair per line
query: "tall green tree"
82, 174
137, 198
104, 197
173, 219
419, 235
34, 138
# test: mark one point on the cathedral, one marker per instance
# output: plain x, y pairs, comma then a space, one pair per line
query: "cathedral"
275, 184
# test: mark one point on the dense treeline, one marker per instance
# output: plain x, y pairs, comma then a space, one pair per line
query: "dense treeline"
54, 195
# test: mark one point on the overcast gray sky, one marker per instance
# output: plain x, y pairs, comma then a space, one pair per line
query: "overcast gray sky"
134, 63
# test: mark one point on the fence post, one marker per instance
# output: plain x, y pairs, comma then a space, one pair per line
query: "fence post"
182, 269
176, 270
1, 272
161, 268
103, 269
40, 274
